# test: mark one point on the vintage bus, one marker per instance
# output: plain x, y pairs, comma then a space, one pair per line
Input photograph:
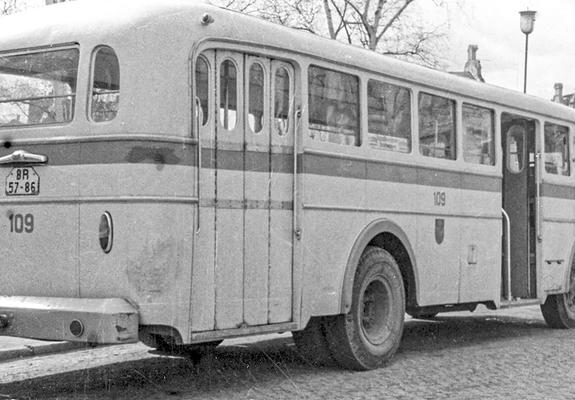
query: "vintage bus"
179, 174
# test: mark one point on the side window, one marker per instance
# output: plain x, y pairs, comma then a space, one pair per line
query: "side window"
478, 135
389, 117
202, 87
228, 95
256, 98
436, 126
516, 148
281, 101
333, 106
105, 85
557, 149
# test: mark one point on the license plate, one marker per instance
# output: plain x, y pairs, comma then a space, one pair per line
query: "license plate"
22, 181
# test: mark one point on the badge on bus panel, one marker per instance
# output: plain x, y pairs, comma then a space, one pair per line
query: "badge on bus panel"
439, 230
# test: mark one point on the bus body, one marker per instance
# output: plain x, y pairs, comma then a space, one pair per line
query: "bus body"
180, 174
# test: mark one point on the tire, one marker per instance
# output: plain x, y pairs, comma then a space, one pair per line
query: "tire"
559, 309
369, 335
312, 343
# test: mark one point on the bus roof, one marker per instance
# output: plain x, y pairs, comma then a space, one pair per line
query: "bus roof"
178, 22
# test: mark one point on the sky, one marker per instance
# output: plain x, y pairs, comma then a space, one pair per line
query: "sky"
493, 25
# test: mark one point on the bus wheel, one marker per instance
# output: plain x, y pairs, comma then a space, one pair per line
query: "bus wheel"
312, 343
559, 309
368, 336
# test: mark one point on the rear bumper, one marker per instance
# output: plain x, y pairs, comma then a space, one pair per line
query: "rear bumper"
102, 321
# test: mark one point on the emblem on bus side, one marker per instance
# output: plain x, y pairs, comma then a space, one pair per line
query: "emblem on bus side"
439, 230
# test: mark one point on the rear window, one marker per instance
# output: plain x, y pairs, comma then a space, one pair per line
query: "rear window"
38, 87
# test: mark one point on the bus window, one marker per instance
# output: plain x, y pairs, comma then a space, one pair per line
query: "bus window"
38, 87
281, 101
202, 87
228, 95
557, 149
516, 148
256, 98
333, 106
105, 85
436, 126
478, 137
389, 117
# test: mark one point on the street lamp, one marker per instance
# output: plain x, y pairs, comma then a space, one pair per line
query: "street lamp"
527, 22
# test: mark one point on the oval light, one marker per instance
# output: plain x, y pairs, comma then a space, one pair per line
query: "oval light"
106, 232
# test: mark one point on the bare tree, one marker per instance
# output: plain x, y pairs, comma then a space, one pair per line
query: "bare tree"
8, 6
386, 26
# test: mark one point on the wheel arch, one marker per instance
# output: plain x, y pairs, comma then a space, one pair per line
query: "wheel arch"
390, 237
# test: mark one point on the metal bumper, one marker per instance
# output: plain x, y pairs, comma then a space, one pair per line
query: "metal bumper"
102, 321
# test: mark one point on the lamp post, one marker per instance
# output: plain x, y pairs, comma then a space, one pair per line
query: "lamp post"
527, 22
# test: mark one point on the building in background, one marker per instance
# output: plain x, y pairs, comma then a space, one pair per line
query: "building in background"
472, 68
559, 97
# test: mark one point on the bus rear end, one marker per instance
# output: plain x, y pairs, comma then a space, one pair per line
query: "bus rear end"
98, 198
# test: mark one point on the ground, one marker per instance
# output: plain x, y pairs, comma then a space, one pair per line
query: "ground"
486, 355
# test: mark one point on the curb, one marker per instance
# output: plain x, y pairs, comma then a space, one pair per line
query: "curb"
39, 349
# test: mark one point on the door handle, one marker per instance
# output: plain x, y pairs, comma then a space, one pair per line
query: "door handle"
22, 156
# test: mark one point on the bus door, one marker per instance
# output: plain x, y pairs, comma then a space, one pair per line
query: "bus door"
243, 268
520, 203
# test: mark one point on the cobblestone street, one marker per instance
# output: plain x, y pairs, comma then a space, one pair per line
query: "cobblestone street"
486, 355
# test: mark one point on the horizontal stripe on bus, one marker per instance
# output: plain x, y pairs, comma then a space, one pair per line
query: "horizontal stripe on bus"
254, 161
332, 208
557, 191
246, 204
31, 200
381, 171
111, 152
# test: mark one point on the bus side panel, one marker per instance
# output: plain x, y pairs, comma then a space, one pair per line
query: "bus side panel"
229, 250
256, 252
558, 232
331, 223
150, 261
39, 233
480, 251
202, 313
42, 262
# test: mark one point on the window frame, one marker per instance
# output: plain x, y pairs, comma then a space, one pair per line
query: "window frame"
455, 112
410, 115
324, 135
493, 125
90, 94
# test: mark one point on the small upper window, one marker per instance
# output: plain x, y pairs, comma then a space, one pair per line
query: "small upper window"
228, 95
436, 126
202, 88
256, 98
389, 117
282, 97
478, 136
106, 85
557, 149
333, 106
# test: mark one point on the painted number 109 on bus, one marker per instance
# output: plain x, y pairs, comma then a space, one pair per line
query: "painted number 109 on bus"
22, 181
